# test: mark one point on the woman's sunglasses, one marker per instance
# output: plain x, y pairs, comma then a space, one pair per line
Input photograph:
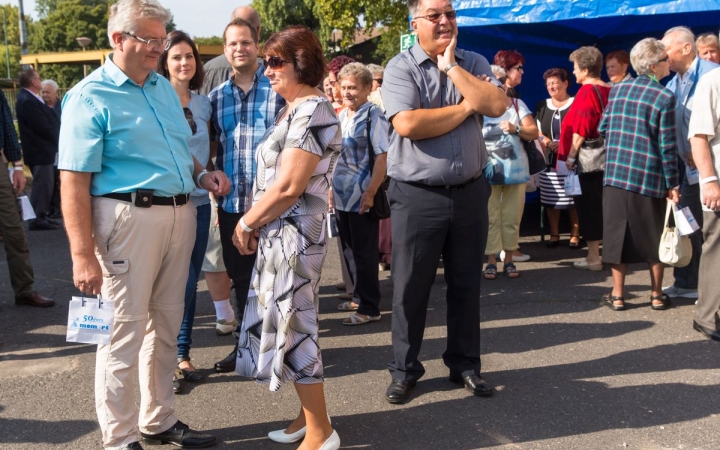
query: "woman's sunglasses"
190, 120
275, 62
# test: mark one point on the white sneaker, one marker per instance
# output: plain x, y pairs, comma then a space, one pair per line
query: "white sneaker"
223, 327
516, 258
674, 291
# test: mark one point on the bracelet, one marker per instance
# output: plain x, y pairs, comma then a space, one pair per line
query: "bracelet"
244, 226
18, 168
197, 179
708, 179
572, 160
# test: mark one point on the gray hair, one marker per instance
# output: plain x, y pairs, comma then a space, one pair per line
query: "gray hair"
646, 53
125, 13
413, 7
498, 71
707, 39
682, 35
375, 69
53, 85
359, 71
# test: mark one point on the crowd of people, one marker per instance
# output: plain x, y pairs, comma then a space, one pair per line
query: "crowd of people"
240, 167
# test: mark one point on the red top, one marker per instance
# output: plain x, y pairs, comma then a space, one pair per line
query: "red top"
583, 117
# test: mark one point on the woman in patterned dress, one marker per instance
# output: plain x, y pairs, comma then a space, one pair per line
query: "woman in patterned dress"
286, 226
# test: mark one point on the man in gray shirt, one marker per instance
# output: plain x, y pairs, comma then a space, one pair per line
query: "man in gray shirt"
434, 95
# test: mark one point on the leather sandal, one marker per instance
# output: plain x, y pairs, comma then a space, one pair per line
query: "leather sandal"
360, 319
574, 245
609, 301
663, 298
510, 270
347, 306
553, 243
490, 272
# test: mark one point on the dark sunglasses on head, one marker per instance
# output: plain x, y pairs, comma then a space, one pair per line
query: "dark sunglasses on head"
435, 17
190, 120
378, 80
275, 62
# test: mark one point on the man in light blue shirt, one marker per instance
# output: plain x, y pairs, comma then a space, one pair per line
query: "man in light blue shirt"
689, 69
127, 173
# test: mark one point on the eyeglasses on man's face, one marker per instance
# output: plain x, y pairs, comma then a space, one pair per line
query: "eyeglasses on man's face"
152, 44
276, 62
435, 17
241, 44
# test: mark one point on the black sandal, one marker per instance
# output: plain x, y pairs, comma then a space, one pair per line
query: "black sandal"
551, 243
663, 298
574, 245
609, 301
510, 270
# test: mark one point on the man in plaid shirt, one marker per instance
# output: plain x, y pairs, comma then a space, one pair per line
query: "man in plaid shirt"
242, 109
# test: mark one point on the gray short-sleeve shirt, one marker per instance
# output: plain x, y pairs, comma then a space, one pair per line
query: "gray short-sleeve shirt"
412, 81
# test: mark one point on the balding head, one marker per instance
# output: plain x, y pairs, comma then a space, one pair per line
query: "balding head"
249, 15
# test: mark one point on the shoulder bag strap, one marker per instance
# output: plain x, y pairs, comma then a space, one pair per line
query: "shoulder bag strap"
371, 151
597, 91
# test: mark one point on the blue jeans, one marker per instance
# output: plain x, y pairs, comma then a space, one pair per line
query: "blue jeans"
196, 261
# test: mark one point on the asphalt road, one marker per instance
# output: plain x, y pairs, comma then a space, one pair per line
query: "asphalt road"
569, 373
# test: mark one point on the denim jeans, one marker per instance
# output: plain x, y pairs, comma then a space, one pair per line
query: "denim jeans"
196, 260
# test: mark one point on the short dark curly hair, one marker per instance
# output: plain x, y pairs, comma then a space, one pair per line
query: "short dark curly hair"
557, 72
301, 46
337, 63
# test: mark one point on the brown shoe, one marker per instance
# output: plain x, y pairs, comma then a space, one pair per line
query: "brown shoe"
33, 299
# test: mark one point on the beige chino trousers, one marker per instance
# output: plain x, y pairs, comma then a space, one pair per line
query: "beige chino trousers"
144, 254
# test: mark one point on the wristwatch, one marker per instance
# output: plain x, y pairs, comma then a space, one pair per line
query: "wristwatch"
447, 68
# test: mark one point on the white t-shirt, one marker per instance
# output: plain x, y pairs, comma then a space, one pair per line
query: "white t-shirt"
705, 118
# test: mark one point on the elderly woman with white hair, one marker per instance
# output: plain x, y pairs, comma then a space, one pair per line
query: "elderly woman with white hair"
639, 129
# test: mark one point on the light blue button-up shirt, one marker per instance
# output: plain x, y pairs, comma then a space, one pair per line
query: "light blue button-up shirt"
130, 137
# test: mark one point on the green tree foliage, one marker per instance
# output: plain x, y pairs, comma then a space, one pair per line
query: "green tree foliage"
13, 40
276, 15
212, 40
351, 15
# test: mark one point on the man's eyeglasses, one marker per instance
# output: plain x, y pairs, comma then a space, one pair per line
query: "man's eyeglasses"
378, 81
435, 17
190, 120
241, 44
152, 44
275, 62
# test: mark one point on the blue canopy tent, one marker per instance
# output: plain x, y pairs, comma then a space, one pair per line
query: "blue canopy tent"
546, 32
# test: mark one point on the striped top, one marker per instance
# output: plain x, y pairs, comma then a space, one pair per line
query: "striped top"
639, 129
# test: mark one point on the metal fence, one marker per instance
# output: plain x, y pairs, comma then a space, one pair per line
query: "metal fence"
11, 95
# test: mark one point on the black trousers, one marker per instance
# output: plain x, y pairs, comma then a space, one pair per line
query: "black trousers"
239, 267
428, 223
42, 189
359, 232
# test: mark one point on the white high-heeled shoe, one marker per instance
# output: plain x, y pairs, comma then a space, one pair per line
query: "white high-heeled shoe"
332, 443
281, 437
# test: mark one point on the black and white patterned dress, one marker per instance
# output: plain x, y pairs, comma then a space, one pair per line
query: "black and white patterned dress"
279, 336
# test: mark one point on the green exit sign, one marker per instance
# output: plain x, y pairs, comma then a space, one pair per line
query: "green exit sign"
407, 41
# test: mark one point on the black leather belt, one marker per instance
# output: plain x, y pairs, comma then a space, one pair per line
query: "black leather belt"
177, 200
448, 187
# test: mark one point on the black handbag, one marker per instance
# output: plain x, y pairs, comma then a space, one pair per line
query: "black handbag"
536, 158
381, 207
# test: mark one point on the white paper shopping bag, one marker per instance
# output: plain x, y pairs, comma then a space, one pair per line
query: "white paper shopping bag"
684, 220
572, 185
26, 208
90, 320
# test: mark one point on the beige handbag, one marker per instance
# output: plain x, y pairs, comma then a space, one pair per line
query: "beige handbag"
675, 250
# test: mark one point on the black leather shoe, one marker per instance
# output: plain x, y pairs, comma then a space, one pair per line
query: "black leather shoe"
227, 364
399, 391
34, 299
708, 332
180, 435
472, 382
39, 225
133, 446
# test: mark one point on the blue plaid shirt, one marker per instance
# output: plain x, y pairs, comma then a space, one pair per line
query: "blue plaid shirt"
239, 120
8, 136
